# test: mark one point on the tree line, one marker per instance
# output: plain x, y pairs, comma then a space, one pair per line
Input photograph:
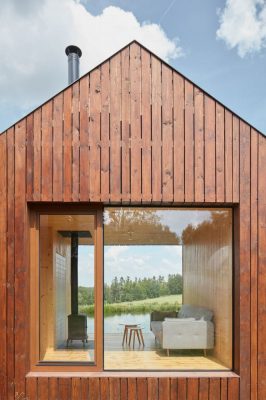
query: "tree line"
121, 289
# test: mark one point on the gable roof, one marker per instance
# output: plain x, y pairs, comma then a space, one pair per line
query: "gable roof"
141, 46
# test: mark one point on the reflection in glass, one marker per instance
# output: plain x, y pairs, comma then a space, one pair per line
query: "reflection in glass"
168, 288
66, 288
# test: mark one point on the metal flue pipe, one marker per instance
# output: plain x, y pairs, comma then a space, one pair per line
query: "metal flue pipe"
73, 53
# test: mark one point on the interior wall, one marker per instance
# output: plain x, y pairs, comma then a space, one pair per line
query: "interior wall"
55, 297
207, 279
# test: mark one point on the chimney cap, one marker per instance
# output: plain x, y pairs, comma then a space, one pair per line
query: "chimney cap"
73, 49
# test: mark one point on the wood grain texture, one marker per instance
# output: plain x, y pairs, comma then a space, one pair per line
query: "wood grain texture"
134, 131
3, 265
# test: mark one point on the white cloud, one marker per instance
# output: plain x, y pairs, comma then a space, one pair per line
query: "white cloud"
34, 34
243, 25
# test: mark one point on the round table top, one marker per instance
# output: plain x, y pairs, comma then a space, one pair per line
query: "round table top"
129, 325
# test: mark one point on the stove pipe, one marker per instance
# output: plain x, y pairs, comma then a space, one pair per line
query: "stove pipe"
73, 53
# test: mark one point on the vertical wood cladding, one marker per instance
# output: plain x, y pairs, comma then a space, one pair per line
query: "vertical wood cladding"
135, 131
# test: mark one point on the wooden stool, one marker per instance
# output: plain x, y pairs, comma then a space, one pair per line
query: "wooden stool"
136, 332
126, 328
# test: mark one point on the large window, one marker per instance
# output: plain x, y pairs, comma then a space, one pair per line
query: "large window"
137, 288
67, 277
167, 289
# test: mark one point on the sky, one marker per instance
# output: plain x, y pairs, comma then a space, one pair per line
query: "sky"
141, 261
218, 44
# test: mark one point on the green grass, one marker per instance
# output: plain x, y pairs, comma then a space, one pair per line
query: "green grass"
163, 303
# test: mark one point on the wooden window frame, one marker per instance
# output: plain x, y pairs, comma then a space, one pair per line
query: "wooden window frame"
36, 365
85, 369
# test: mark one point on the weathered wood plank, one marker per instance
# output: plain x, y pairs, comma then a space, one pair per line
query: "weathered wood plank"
209, 173
254, 263
10, 263
75, 142
214, 390
94, 389
37, 118
228, 156
75, 388
84, 139
193, 389
156, 98
203, 389
182, 389
64, 388
233, 390
47, 152
30, 156
164, 389
235, 159
244, 219
220, 170
105, 132
261, 270
3, 265
32, 388
85, 389
132, 389
67, 144
53, 389
114, 388
21, 304
43, 388
153, 388
135, 121
179, 138
95, 134
58, 148
115, 118
125, 123
142, 389
199, 145
167, 134
146, 124
189, 142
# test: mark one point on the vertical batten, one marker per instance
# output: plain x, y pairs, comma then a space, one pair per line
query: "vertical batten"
228, 148
189, 142
244, 229
30, 156
47, 152
135, 121
105, 132
210, 162
67, 138
21, 275
84, 160
58, 148
3, 265
167, 134
261, 268
179, 138
75, 142
146, 124
115, 118
156, 98
220, 153
125, 115
94, 134
199, 145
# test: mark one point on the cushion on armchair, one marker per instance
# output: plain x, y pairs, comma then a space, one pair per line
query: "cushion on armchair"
188, 311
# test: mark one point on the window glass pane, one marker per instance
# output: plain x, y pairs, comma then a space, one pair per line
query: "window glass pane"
67, 288
167, 288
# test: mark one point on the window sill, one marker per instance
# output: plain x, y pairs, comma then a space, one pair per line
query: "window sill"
135, 374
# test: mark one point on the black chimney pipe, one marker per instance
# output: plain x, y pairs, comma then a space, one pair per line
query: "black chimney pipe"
73, 53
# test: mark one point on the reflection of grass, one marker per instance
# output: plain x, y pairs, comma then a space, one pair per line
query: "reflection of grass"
163, 303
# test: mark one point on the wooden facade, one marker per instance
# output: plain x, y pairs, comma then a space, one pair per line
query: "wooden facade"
134, 131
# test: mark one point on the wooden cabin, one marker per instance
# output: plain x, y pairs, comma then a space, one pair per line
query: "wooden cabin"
132, 167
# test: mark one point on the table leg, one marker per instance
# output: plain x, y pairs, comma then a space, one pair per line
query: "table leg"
130, 336
138, 336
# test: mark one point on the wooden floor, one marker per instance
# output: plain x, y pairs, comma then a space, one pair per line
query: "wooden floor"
149, 357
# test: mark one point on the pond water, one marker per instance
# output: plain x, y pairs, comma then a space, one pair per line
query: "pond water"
112, 323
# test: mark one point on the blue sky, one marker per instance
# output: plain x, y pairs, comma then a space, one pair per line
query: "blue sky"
220, 45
